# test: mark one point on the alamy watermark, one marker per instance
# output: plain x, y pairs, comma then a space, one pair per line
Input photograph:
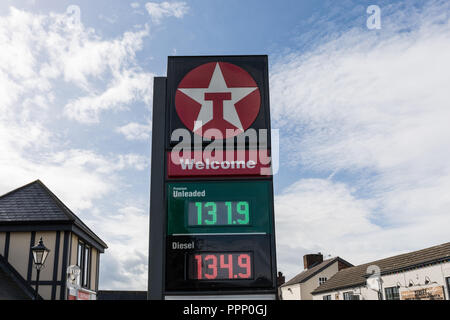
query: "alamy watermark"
211, 150
374, 19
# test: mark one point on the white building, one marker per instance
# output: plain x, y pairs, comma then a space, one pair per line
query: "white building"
418, 275
316, 272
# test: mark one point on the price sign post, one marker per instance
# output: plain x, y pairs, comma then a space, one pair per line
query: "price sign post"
211, 207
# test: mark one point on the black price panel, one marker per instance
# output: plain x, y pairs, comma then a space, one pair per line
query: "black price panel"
229, 262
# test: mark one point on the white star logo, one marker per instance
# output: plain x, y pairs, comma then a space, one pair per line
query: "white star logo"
218, 101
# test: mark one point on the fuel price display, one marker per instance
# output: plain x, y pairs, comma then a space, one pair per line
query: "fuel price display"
218, 213
228, 262
219, 207
220, 266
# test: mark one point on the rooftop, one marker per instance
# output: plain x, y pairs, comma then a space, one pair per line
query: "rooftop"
35, 204
308, 273
357, 275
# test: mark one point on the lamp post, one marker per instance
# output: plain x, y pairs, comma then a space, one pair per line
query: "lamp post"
40, 253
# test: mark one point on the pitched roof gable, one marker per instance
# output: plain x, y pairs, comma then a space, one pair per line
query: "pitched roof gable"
308, 273
31, 202
35, 203
356, 276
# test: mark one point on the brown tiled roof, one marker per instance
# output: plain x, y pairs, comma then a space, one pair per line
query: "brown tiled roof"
308, 273
356, 276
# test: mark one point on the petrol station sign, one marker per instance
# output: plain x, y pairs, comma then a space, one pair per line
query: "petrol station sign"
211, 215
217, 95
224, 95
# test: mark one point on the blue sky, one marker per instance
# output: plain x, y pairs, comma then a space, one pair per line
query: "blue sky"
364, 161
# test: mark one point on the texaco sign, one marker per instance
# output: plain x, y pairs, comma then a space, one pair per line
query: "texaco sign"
218, 97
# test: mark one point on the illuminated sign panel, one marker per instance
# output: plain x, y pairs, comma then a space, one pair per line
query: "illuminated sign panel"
218, 213
231, 163
219, 207
200, 262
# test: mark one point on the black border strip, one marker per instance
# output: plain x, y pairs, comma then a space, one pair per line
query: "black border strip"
40, 226
46, 283
30, 256
6, 251
156, 256
62, 293
55, 264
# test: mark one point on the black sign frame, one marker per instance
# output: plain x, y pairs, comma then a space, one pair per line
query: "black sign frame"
165, 120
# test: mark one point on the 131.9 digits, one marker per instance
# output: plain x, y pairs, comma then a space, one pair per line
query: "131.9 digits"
218, 213
220, 266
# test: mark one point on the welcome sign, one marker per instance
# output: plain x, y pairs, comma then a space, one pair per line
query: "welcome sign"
226, 163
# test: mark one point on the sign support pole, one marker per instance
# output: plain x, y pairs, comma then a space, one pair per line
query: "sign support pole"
157, 206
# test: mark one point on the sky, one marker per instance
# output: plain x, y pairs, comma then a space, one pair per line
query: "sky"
363, 116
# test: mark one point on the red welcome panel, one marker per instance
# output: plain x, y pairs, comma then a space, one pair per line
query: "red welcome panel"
218, 163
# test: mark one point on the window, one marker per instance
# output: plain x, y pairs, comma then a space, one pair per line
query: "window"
322, 280
80, 254
327, 297
392, 293
84, 262
348, 295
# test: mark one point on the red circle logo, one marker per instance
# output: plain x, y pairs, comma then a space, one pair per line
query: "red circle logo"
218, 95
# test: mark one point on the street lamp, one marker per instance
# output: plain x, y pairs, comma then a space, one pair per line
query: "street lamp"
40, 253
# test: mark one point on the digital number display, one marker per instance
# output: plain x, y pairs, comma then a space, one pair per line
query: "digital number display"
220, 266
219, 207
218, 213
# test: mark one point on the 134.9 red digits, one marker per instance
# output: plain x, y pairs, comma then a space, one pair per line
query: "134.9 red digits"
220, 266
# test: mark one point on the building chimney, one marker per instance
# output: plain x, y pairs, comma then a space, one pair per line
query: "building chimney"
280, 279
310, 260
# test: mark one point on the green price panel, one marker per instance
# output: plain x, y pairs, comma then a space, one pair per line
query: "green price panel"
219, 207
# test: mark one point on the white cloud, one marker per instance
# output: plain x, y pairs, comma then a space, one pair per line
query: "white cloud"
54, 70
37, 51
372, 106
319, 215
135, 131
135, 5
158, 11
125, 265
127, 88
